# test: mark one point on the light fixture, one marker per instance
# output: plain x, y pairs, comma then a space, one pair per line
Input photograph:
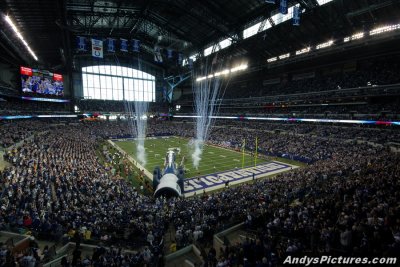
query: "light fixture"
12, 25
323, 45
284, 56
240, 67
383, 29
303, 51
223, 72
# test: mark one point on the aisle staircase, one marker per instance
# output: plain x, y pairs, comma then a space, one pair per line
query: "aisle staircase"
3, 163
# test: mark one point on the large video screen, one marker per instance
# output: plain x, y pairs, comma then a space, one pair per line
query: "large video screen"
41, 82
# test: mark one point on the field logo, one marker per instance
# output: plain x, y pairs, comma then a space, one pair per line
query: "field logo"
233, 176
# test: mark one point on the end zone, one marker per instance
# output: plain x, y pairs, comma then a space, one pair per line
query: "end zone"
216, 181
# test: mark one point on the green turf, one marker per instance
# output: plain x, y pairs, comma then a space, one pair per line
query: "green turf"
133, 179
214, 159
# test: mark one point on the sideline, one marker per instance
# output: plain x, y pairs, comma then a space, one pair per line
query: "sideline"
131, 159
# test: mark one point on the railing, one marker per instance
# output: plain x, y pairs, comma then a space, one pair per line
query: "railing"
169, 259
219, 239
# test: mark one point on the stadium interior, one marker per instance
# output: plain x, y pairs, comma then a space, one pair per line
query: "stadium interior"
254, 133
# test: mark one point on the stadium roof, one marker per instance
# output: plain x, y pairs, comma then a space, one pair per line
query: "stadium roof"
49, 27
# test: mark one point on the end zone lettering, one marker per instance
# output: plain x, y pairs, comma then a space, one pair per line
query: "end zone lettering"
216, 179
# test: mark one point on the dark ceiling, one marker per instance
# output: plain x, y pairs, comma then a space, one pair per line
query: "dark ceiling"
50, 26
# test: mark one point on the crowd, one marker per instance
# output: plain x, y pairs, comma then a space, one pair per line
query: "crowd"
11, 132
29, 256
345, 202
369, 91
381, 71
350, 210
376, 111
114, 257
379, 135
90, 105
20, 107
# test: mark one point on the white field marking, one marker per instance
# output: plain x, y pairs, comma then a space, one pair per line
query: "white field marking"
210, 167
229, 149
211, 170
219, 161
206, 161
225, 168
222, 156
208, 144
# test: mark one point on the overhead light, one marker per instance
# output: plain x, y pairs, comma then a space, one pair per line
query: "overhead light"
355, 36
223, 72
12, 25
326, 44
383, 29
237, 68
284, 56
302, 51
358, 35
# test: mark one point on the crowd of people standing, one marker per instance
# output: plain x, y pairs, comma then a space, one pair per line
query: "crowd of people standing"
345, 202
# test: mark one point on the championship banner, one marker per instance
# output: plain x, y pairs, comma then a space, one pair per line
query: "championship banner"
180, 59
164, 93
157, 55
81, 44
283, 9
135, 45
190, 63
110, 45
169, 53
124, 45
296, 16
97, 48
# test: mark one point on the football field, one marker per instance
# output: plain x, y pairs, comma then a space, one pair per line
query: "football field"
213, 160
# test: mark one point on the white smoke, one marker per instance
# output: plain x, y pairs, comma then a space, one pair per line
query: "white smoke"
197, 152
141, 153
205, 93
138, 123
